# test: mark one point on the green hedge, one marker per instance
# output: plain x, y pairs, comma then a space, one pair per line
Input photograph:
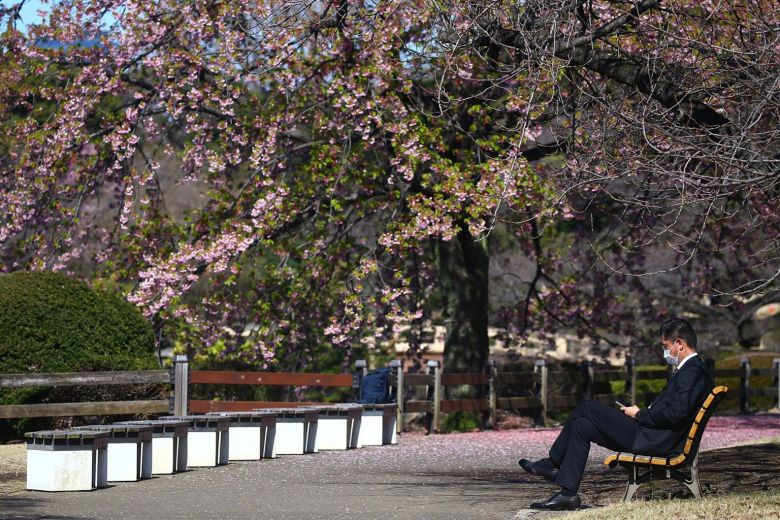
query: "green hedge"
52, 323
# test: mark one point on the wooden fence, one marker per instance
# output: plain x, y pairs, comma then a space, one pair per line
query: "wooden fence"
179, 378
536, 391
136, 377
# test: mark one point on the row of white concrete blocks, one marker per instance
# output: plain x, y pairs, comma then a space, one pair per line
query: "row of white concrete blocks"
89, 457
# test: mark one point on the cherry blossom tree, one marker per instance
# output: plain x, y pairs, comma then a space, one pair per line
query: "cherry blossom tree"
321, 194
268, 180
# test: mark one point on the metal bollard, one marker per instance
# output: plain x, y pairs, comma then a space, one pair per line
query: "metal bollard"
181, 380
361, 369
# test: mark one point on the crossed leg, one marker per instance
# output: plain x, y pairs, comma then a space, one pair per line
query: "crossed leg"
591, 421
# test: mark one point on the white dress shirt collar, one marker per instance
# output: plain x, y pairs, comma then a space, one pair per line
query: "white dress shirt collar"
689, 356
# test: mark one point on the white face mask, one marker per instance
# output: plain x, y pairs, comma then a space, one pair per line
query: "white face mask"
672, 360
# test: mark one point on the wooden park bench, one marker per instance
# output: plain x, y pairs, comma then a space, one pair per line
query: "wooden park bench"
683, 467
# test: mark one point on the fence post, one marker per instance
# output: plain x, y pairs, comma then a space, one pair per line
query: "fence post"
181, 379
541, 366
776, 363
709, 364
630, 387
493, 395
397, 366
586, 370
361, 368
744, 385
435, 395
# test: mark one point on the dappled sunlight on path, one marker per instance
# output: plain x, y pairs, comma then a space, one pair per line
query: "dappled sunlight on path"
447, 477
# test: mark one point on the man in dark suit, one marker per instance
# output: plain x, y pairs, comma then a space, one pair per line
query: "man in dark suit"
658, 429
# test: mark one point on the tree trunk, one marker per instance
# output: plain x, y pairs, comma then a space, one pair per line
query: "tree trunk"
463, 273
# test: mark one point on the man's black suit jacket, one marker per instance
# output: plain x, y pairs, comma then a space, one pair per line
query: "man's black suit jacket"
664, 424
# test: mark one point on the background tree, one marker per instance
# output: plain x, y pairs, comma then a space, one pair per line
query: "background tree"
669, 115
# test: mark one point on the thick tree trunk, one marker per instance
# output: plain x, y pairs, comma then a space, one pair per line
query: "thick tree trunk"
463, 271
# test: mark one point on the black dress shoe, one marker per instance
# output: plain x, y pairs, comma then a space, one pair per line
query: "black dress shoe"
540, 469
559, 502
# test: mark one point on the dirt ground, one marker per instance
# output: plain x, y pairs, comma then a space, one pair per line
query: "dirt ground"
13, 461
740, 469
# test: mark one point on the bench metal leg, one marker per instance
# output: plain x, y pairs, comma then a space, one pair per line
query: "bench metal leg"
693, 482
636, 478
632, 485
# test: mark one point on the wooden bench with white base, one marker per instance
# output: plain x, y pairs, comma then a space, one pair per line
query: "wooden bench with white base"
683, 468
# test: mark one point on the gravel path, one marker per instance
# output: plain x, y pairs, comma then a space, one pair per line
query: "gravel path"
457, 476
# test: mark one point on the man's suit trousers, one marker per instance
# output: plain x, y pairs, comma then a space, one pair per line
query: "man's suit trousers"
591, 421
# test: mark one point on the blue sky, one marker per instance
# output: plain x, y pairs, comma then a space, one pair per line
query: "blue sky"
30, 10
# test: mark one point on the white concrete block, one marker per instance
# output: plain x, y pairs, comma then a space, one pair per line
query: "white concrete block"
124, 461
129, 450
372, 429
249, 433
202, 449
66, 460
207, 443
379, 424
290, 436
163, 455
245, 442
61, 470
354, 414
332, 433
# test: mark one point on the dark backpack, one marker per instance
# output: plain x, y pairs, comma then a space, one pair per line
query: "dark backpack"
375, 387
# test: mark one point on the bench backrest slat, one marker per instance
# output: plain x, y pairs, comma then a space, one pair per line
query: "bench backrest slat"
700, 422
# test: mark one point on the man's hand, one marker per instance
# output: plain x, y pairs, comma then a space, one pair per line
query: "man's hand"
631, 411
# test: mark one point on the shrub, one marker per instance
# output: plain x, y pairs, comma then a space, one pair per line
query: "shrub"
52, 323
461, 422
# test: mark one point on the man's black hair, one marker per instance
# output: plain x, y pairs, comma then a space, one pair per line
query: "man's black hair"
678, 328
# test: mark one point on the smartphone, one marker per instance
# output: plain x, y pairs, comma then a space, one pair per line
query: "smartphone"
621, 405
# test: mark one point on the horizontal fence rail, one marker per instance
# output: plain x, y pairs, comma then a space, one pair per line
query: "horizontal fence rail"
84, 378
269, 378
14, 411
464, 379
464, 405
